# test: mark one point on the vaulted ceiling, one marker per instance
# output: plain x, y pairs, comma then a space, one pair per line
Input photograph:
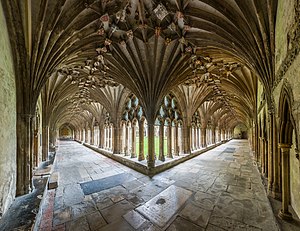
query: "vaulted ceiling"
95, 51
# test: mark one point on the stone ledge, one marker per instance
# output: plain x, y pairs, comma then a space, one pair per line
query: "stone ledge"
143, 168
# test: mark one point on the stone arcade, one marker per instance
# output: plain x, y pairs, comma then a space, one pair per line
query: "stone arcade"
151, 84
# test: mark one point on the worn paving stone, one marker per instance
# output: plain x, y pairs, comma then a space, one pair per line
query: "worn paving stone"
130, 185
62, 216
204, 200
80, 224
196, 215
95, 221
118, 225
211, 227
231, 224
134, 199
135, 219
82, 209
117, 210
184, 225
152, 227
106, 202
72, 194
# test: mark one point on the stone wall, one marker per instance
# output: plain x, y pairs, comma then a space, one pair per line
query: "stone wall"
288, 71
7, 120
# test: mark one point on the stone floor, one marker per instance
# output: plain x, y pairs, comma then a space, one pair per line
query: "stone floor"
218, 190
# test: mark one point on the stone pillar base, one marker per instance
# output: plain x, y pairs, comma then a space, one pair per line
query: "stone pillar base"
141, 158
151, 165
161, 158
133, 155
287, 216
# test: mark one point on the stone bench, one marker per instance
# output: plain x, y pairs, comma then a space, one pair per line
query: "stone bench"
53, 181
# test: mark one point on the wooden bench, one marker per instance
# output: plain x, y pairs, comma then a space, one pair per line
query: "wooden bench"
53, 181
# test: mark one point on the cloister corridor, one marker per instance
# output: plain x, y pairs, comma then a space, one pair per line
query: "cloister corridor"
218, 190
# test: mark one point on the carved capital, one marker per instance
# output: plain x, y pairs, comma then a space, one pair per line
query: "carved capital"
284, 147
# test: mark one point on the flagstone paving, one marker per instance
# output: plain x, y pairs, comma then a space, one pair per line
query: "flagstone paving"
218, 190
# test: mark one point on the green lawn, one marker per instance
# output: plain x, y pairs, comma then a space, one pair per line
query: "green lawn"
146, 146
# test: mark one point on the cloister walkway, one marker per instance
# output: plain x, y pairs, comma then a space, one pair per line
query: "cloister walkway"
218, 190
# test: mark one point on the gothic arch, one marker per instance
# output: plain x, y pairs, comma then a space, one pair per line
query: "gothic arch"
287, 126
285, 113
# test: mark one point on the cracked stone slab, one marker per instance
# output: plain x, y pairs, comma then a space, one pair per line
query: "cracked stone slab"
165, 205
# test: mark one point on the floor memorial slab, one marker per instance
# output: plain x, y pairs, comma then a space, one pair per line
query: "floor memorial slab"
161, 208
105, 183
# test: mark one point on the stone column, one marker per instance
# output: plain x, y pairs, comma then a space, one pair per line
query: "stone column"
109, 134
266, 157
276, 170
191, 138
199, 137
104, 137
45, 143
161, 142
270, 153
141, 140
151, 145
203, 137
284, 212
196, 138
186, 138
117, 138
176, 147
213, 130
255, 140
36, 147
24, 137
207, 136
133, 144
113, 136
101, 136
86, 135
180, 140
31, 156
92, 135
128, 140
262, 154
170, 141
122, 138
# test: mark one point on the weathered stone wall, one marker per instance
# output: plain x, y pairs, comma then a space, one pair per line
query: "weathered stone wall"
287, 36
285, 17
7, 120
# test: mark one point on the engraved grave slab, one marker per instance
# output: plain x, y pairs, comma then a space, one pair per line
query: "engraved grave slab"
162, 207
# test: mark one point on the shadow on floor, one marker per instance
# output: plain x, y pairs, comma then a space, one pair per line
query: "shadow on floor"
21, 214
